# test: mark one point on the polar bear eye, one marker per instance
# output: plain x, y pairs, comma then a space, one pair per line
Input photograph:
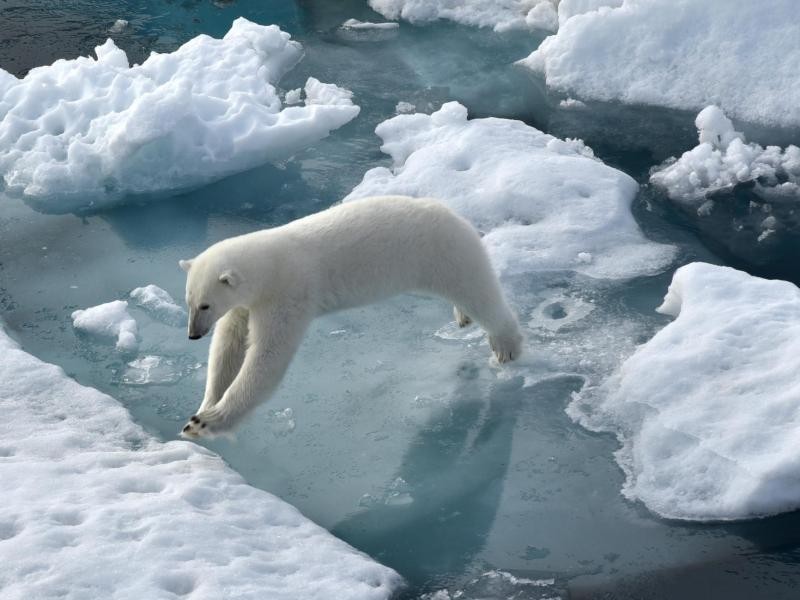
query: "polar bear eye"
204, 307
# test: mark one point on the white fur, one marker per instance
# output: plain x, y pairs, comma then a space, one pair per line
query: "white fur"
264, 288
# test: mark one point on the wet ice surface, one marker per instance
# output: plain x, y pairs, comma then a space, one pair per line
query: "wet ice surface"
392, 429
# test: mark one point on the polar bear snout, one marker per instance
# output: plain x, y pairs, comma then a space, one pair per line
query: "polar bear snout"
199, 324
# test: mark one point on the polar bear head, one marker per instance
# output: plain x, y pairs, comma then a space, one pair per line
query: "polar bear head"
212, 289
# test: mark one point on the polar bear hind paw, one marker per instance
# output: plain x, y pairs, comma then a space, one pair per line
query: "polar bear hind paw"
462, 318
506, 348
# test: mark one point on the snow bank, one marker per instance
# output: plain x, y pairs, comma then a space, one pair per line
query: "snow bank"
95, 508
501, 15
109, 320
542, 203
682, 54
708, 409
723, 159
160, 304
91, 131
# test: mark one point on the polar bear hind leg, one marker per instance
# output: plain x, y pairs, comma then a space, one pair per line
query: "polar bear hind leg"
462, 318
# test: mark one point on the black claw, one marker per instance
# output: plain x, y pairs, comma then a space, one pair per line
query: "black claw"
203, 426
186, 428
194, 419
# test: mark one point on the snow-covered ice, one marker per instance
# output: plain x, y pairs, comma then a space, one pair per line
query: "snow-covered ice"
501, 15
111, 320
159, 304
708, 409
682, 54
93, 507
723, 159
356, 24
86, 132
542, 203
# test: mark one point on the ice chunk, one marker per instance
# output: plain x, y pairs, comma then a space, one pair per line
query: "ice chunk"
118, 26
539, 201
571, 103
723, 159
160, 304
707, 409
109, 320
294, 96
84, 486
356, 24
87, 132
404, 108
501, 15
681, 54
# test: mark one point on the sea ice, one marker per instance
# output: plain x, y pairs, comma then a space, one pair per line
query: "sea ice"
87, 132
681, 54
707, 410
93, 507
723, 159
157, 370
404, 108
118, 26
109, 320
542, 203
160, 304
501, 15
356, 24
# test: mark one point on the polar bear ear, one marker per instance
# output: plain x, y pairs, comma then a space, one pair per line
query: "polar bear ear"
185, 264
229, 277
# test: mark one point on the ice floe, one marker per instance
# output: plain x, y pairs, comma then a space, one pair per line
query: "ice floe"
723, 159
708, 409
159, 304
501, 15
356, 24
110, 320
681, 54
542, 203
87, 132
95, 507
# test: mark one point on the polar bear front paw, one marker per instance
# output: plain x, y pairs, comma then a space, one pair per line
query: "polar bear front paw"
196, 427
206, 424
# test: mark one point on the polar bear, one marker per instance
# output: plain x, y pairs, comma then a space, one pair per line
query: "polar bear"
263, 289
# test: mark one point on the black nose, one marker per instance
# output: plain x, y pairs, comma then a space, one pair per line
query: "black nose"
195, 337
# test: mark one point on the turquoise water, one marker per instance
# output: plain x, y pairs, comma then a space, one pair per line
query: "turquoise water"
405, 444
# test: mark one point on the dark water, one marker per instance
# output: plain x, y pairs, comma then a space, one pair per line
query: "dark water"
479, 475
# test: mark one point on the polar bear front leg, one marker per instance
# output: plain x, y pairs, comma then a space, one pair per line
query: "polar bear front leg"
275, 334
226, 355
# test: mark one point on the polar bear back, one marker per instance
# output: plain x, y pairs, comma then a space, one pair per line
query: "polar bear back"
373, 248
366, 250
